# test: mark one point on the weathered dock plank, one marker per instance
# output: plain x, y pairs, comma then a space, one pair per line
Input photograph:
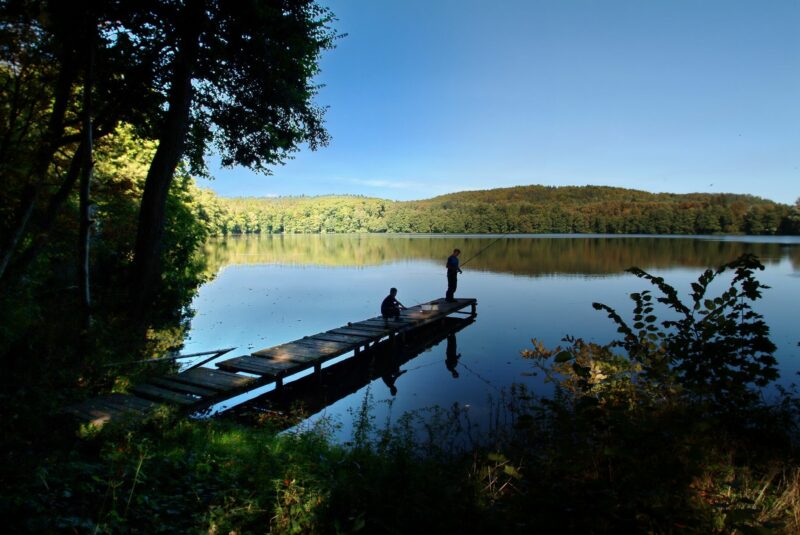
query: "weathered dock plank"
213, 379
261, 366
367, 326
165, 382
98, 411
338, 337
325, 347
380, 328
300, 359
371, 334
128, 402
285, 351
390, 325
156, 393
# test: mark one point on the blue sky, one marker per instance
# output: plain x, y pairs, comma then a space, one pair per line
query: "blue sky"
436, 96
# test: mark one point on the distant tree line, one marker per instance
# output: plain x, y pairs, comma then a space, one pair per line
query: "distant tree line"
524, 209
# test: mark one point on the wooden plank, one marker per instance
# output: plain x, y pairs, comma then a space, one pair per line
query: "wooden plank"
326, 347
303, 350
390, 325
361, 325
112, 405
325, 352
276, 364
305, 359
259, 365
381, 319
262, 366
129, 402
420, 317
338, 337
95, 416
213, 379
371, 334
381, 328
169, 384
285, 351
156, 393
247, 367
100, 410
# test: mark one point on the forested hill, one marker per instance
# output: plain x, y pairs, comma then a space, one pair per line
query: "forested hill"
522, 209
586, 194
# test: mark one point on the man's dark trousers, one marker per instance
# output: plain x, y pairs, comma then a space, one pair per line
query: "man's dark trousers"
452, 282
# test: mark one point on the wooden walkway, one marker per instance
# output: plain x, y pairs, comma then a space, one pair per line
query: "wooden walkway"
312, 393
199, 388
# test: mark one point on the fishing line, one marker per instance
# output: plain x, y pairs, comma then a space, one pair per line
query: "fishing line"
476, 374
482, 250
422, 366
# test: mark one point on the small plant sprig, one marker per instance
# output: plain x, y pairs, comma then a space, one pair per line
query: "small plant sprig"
717, 349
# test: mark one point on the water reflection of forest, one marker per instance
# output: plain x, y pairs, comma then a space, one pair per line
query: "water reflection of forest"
522, 255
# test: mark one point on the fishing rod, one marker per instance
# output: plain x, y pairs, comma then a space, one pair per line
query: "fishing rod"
482, 250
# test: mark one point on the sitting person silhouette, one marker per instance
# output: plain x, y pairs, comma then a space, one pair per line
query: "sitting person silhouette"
390, 376
390, 307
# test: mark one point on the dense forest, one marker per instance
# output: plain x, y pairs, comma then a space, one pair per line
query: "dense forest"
522, 209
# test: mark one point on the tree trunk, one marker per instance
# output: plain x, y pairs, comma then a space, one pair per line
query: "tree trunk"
85, 228
146, 263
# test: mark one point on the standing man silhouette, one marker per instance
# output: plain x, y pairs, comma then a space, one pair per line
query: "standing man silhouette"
452, 275
452, 355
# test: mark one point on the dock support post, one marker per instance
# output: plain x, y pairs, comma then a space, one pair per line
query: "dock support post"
474, 309
278, 383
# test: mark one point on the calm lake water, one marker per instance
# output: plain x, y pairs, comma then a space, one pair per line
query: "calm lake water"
272, 289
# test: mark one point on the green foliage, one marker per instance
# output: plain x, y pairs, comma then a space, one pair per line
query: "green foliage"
49, 358
719, 347
672, 433
524, 209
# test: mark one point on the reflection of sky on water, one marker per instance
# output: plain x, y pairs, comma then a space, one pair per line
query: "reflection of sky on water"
257, 306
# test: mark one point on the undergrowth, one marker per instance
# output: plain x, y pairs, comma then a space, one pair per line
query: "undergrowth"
662, 431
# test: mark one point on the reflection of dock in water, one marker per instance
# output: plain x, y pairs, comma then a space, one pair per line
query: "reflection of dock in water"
313, 393
199, 388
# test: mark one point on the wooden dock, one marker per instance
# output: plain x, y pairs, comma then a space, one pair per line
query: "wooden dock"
312, 393
199, 388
